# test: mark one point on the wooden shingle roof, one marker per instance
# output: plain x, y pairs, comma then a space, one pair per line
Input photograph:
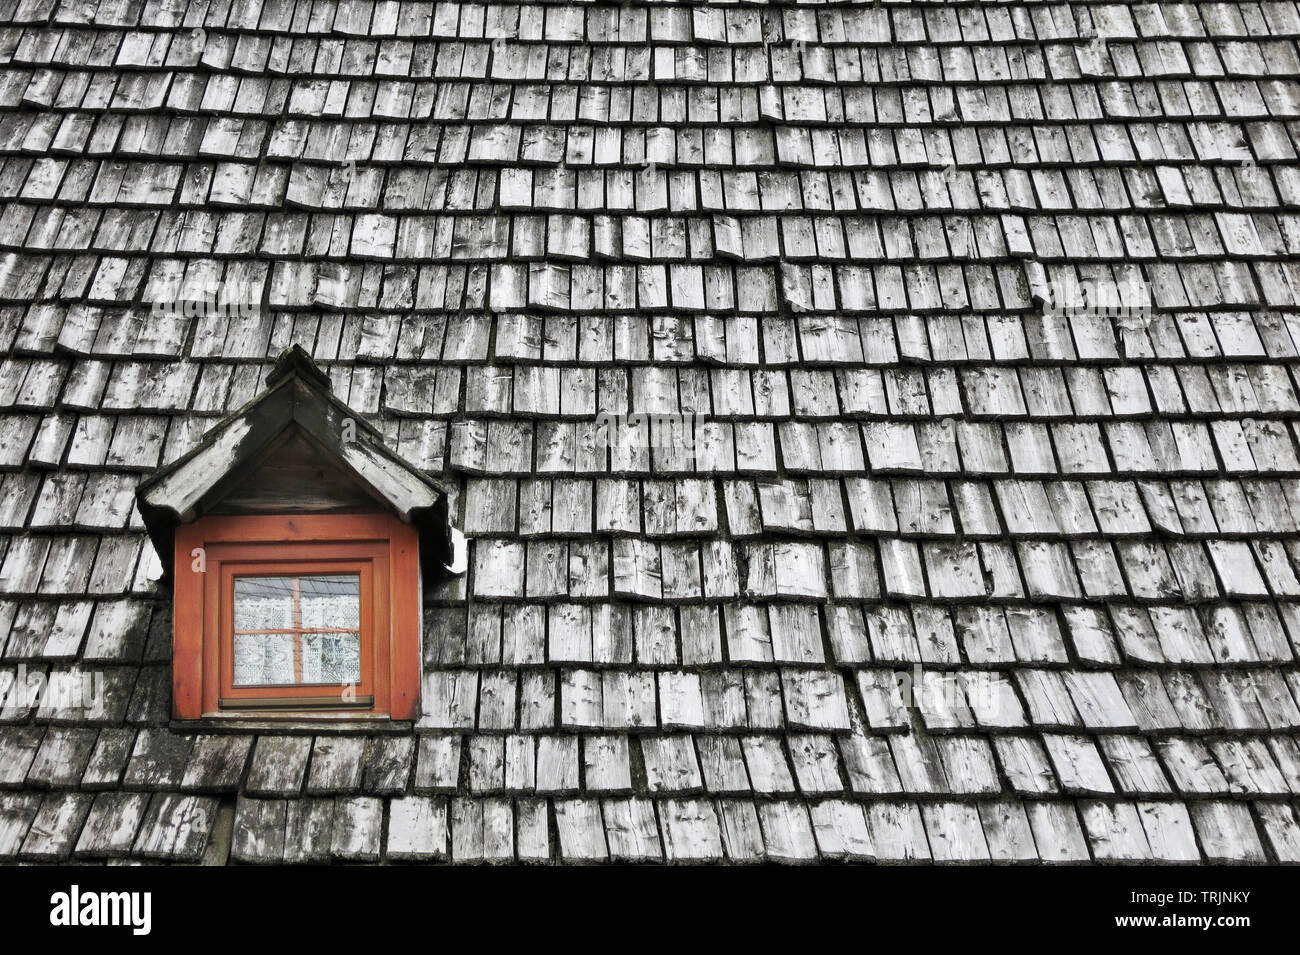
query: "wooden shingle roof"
875, 425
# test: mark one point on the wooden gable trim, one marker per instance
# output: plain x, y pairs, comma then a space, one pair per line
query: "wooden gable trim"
297, 396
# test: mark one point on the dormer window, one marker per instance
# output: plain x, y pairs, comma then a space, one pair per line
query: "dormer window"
296, 544
311, 613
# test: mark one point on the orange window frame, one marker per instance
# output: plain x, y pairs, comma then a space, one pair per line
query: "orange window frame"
212, 551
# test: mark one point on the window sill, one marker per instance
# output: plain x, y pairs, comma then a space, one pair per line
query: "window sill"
296, 725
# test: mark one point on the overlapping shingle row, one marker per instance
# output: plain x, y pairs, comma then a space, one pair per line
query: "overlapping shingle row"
876, 425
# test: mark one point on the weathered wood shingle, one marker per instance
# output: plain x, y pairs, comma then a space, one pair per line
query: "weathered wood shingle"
875, 429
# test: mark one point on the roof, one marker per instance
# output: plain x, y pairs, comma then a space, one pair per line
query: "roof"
983, 318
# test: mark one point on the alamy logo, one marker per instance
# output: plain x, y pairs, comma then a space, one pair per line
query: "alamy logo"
1069, 297
660, 432
209, 301
76, 908
64, 690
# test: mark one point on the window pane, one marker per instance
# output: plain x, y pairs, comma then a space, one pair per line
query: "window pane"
331, 603
331, 658
297, 605
263, 603
263, 659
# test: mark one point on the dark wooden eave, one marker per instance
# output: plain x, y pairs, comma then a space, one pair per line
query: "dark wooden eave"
298, 401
